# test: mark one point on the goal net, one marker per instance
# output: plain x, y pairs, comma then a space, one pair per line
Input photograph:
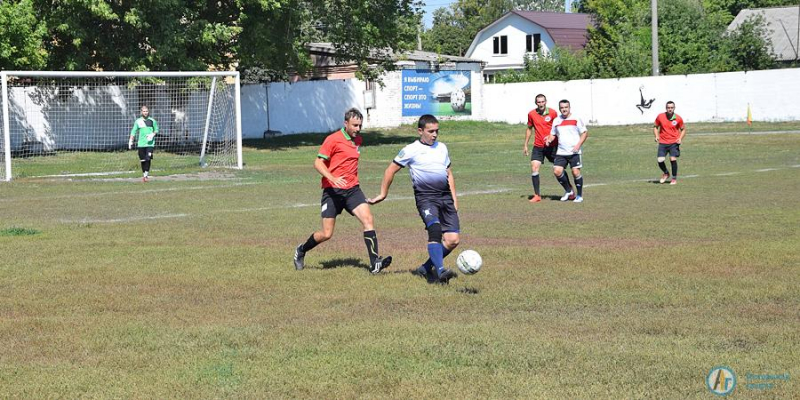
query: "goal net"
79, 123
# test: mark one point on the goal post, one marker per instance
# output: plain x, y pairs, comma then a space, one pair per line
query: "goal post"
58, 123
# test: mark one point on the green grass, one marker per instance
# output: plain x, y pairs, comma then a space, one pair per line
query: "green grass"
184, 288
18, 232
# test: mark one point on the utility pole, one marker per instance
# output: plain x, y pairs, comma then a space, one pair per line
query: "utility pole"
654, 34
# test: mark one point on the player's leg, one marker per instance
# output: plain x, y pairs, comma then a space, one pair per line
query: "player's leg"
314, 240
449, 222
536, 162
674, 153
576, 163
661, 157
362, 211
144, 161
329, 209
558, 170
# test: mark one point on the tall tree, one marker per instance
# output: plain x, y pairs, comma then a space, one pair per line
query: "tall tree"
21, 36
200, 34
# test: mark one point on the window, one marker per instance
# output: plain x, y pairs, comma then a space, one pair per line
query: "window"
533, 42
500, 44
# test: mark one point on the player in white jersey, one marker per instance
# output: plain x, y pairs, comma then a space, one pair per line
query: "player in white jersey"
428, 162
571, 133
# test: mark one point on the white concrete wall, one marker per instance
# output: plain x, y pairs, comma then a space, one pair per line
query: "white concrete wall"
319, 106
772, 95
101, 117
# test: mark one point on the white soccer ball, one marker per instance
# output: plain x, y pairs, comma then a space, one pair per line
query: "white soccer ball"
458, 100
469, 262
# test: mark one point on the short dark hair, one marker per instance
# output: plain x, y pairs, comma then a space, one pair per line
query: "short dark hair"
563, 101
540, 95
671, 102
353, 113
425, 120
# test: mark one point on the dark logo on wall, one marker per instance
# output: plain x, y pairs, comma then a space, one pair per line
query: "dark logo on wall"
643, 103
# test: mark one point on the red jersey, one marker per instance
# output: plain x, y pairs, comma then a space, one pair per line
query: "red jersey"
341, 153
542, 124
670, 128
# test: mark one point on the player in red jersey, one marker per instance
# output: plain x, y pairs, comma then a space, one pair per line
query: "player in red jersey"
337, 162
540, 120
669, 131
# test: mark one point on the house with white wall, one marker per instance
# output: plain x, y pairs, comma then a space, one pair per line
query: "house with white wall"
504, 44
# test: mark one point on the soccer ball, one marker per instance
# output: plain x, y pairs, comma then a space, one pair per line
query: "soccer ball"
469, 262
458, 100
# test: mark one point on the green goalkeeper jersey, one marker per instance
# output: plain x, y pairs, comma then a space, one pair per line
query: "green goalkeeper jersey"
144, 127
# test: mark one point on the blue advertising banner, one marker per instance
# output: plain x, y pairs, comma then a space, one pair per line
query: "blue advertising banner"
440, 93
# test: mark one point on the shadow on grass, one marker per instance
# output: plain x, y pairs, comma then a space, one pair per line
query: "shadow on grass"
285, 142
551, 197
343, 262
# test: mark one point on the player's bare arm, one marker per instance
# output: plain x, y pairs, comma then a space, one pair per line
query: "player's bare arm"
683, 133
386, 183
527, 140
656, 132
578, 146
451, 181
319, 165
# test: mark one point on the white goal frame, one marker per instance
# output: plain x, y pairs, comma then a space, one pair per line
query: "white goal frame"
6, 129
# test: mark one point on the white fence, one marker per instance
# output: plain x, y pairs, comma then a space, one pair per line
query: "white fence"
772, 96
318, 106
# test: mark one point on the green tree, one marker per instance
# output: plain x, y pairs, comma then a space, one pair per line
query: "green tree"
748, 48
22, 36
620, 41
139, 35
136, 35
558, 65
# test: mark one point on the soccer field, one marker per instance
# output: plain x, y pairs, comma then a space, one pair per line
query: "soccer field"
184, 287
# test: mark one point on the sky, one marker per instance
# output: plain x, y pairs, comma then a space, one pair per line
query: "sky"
430, 6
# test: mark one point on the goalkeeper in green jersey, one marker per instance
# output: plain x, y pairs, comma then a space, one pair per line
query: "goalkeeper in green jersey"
146, 128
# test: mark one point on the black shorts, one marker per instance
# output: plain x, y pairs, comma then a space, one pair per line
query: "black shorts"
574, 161
439, 209
540, 153
334, 200
146, 153
673, 149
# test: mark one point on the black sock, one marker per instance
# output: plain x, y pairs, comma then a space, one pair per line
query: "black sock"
309, 244
674, 168
535, 179
663, 166
146, 166
371, 240
579, 184
564, 181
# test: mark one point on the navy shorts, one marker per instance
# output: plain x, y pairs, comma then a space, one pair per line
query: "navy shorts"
334, 200
540, 153
439, 209
574, 161
146, 153
673, 149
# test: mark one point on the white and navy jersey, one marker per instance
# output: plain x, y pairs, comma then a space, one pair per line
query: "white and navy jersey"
427, 166
568, 130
